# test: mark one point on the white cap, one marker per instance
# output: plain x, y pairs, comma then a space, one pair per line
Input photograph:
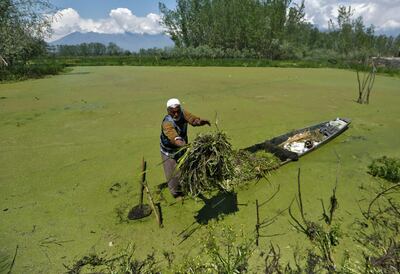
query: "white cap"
172, 103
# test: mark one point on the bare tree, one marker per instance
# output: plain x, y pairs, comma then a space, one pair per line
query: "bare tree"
366, 84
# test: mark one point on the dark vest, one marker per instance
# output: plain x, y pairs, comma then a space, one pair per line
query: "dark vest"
180, 127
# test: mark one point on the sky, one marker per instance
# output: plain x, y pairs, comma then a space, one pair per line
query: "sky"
143, 16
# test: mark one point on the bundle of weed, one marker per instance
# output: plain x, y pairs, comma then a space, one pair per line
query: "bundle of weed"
206, 164
209, 163
253, 166
387, 168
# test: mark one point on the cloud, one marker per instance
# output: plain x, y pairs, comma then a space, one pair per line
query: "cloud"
120, 20
383, 14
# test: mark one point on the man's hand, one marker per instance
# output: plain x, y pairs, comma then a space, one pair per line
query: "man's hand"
205, 122
201, 122
180, 142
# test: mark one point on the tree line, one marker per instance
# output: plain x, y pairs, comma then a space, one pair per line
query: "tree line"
274, 29
88, 49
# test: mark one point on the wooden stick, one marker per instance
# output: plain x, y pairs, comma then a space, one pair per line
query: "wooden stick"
359, 100
151, 202
371, 84
13, 261
300, 199
144, 166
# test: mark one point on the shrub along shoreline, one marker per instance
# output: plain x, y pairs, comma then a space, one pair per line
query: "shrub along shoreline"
217, 62
42, 67
20, 72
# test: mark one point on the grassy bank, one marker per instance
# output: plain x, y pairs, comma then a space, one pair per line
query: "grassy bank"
71, 148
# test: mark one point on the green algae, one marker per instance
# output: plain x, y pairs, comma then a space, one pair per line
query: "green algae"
96, 123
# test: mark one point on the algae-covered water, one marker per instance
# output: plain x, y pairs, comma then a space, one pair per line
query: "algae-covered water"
71, 149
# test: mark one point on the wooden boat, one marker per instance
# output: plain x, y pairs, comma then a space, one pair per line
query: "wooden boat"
291, 146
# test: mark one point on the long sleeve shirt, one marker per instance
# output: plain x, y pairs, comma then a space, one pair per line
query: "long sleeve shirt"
169, 129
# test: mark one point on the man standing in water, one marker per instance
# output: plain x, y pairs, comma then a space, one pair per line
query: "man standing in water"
173, 137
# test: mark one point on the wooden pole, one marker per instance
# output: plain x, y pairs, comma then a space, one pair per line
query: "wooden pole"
145, 186
144, 166
153, 206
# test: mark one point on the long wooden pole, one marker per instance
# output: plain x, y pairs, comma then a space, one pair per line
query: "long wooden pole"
144, 166
150, 198
151, 202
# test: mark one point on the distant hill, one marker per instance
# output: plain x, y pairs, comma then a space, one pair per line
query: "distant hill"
127, 41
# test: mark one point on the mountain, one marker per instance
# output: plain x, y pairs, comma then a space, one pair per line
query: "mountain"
128, 41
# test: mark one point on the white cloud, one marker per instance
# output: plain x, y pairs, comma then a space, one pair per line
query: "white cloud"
120, 20
383, 14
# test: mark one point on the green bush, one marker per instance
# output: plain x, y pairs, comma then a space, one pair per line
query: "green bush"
387, 168
31, 70
222, 251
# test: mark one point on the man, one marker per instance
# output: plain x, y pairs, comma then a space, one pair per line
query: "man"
173, 137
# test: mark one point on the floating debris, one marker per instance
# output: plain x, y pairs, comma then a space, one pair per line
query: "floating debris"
250, 166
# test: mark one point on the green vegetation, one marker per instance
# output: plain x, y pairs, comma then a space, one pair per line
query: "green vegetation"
209, 163
121, 262
32, 70
251, 33
324, 236
71, 148
224, 250
206, 165
253, 166
387, 168
23, 26
255, 30
271, 29
160, 60
207, 56
377, 232
88, 49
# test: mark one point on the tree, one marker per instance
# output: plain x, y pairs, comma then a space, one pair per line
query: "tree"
114, 49
23, 26
239, 25
366, 84
345, 28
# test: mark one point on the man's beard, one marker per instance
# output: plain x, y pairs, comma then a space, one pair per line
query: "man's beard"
177, 119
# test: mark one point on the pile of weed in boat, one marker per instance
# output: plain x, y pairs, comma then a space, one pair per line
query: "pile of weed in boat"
209, 163
254, 166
